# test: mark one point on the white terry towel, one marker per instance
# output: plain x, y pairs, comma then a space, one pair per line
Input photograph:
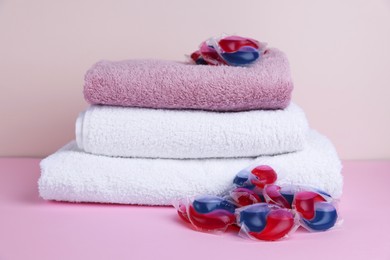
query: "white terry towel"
72, 175
180, 134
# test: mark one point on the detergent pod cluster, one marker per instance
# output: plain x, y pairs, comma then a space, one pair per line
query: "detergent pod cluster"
228, 50
260, 208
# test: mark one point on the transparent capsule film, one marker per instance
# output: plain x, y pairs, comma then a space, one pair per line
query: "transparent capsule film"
317, 210
235, 51
267, 222
242, 197
207, 213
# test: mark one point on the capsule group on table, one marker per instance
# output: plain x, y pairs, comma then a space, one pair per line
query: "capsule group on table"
260, 208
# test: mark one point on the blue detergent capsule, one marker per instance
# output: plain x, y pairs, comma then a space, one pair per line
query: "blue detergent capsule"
244, 56
288, 194
208, 203
254, 217
241, 177
325, 217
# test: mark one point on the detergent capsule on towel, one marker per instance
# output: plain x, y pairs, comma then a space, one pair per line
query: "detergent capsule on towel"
235, 43
259, 176
210, 55
265, 222
229, 50
262, 175
241, 179
197, 57
208, 213
244, 56
255, 180
317, 212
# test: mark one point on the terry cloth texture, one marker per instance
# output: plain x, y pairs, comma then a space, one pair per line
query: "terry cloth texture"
158, 133
76, 176
266, 84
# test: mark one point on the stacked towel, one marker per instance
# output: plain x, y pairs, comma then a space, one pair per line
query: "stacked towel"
158, 131
73, 175
160, 84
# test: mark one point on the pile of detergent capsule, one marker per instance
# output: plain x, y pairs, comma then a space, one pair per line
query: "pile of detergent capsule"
260, 208
229, 50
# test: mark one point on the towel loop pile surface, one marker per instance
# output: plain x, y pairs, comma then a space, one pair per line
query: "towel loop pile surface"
267, 84
184, 134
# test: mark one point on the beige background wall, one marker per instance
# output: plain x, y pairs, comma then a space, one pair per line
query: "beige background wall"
339, 53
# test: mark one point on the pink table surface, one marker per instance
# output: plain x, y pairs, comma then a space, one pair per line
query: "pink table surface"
31, 228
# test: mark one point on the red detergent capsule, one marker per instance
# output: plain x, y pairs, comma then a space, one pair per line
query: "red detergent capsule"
182, 212
207, 212
304, 202
210, 55
244, 197
273, 195
216, 220
195, 55
234, 43
279, 223
264, 175
264, 221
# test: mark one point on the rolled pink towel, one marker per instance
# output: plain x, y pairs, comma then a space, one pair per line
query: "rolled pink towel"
266, 84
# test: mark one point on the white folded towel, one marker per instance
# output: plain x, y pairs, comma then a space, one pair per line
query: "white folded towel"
154, 133
72, 175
